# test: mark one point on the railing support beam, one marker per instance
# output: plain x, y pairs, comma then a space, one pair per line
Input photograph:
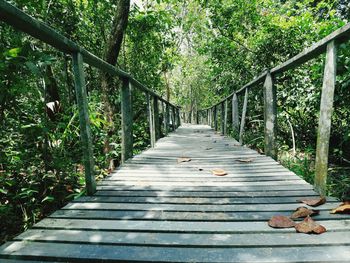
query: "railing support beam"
244, 112
270, 117
156, 121
215, 118
235, 114
225, 117
324, 124
84, 121
127, 120
222, 118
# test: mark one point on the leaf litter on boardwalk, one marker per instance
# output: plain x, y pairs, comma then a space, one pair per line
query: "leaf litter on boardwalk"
309, 226
219, 172
313, 202
303, 212
344, 208
183, 160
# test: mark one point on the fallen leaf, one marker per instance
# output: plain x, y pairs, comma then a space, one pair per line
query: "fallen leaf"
344, 208
219, 172
281, 222
308, 226
209, 148
303, 212
183, 160
313, 202
244, 160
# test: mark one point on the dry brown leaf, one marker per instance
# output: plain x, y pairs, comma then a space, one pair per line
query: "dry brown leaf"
281, 222
244, 160
183, 160
313, 202
344, 208
308, 226
209, 148
219, 172
303, 212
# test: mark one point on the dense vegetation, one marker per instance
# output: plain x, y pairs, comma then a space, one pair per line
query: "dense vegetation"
193, 52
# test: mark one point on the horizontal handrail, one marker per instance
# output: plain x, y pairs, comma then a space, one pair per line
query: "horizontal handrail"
37, 29
341, 35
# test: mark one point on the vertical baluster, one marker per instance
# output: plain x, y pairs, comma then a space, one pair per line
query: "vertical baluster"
222, 118
84, 121
151, 120
167, 118
127, 120
270, 117
244, 112
178, 117
325, 119
215, 118
235, 114
225, 117
157, 126
173, 117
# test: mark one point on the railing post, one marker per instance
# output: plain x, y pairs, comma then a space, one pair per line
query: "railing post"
222, 119
215, 118
270, 117
166, 119
197, 117
207, 119
127, 120
225, 117
244, 112
157, 127
151, 120
173, 116
178, 117
84, 121
325, 119
235, 113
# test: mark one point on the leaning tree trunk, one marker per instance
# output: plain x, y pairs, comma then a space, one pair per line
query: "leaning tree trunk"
111, 54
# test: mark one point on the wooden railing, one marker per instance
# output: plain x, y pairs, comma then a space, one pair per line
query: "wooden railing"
23, 22
327, 45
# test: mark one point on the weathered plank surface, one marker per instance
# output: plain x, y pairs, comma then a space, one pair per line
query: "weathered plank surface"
154, 209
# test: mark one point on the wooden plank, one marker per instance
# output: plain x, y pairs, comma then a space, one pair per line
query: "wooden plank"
183, 215
291, 183
199, 194
107, 253
127, 120
241, 188
189, 207
325, 119
201, 179
176, 226
84, 121
270, 117
244, 112
186, 240
193, 199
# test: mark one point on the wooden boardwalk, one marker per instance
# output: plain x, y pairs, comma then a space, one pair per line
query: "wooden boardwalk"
155, 210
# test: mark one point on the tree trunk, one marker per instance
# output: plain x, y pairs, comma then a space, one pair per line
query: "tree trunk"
111, 54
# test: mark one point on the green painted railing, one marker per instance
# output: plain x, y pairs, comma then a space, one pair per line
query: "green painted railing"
23, 22
327, 45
